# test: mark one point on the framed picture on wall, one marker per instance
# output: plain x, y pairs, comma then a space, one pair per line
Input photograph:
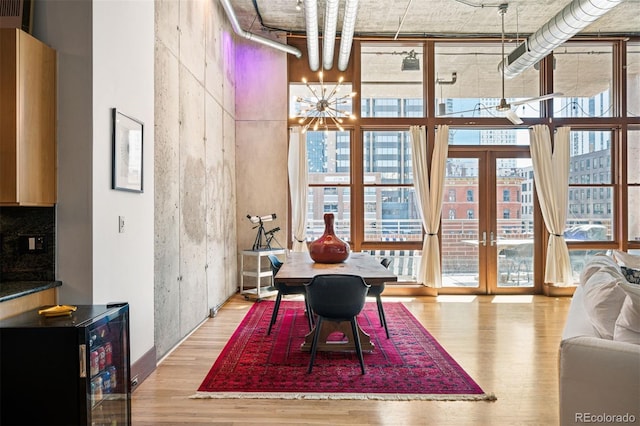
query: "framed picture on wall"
127, 152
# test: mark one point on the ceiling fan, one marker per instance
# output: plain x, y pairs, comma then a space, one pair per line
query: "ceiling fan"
504, 107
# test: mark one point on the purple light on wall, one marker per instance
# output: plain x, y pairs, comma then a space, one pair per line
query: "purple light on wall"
258, 69
228, 48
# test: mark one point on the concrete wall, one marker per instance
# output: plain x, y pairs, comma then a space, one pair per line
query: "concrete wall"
195, 220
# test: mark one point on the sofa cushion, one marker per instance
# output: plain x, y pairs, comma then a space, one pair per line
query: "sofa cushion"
631, 275
603, 298
627, 328
625, 259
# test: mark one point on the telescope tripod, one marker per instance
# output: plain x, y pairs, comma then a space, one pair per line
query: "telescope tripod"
263, 239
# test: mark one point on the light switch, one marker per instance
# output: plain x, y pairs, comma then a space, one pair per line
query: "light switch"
121, 224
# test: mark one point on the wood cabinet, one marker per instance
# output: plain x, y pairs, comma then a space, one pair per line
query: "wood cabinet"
27, 120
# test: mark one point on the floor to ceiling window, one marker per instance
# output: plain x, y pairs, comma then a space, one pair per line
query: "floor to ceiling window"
363, 174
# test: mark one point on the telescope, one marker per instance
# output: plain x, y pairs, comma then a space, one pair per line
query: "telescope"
273, 231
263, 238
260, 219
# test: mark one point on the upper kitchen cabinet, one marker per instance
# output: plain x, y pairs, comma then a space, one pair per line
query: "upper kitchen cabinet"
27, 120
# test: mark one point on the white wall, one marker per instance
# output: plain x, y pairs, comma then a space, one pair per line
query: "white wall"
105, 60
123, 63
65, 25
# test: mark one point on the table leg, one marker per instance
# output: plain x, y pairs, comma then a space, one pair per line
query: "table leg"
343, 327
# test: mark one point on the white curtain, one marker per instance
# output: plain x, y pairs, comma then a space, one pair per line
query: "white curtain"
429, 189
298, 178
551, 177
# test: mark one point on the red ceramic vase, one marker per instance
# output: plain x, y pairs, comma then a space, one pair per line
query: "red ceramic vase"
329, 248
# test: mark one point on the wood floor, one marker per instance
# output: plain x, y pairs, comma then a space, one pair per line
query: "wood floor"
508, 344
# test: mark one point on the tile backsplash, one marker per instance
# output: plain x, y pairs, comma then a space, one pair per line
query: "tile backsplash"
27, 243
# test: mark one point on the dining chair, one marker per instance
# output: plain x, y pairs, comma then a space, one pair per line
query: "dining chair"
283, 290
337, 298
376, 291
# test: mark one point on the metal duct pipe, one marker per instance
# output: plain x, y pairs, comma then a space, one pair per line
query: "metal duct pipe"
250, 36
576, 16
311, 20
329, 36
346, 38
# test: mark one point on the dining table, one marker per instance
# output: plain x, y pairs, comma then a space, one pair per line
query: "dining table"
299, 269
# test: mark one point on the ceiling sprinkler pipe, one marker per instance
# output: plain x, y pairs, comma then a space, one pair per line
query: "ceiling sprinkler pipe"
568, 22
258, 39
348, 28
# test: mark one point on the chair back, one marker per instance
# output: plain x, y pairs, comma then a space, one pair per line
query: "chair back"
337, 296
275, 263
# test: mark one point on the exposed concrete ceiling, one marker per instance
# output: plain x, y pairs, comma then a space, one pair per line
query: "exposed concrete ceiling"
431, 17
579, 70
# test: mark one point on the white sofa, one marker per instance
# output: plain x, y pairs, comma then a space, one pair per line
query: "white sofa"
599, 378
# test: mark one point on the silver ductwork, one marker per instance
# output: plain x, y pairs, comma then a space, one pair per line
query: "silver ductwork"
574, 17
329, 36
311, 21
346, 38
250, 36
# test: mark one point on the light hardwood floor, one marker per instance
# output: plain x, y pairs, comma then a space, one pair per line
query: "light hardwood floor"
508, 344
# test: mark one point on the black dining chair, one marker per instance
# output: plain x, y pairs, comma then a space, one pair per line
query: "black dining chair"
284, 290
376, 291
337, 298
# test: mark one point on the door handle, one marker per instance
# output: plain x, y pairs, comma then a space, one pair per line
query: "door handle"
483, 241
492, 241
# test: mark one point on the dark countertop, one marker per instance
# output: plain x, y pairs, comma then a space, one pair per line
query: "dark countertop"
14, 289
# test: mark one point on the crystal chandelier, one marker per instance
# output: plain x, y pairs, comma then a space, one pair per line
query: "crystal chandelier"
321, 108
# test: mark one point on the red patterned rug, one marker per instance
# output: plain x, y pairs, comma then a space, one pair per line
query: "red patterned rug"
409, 365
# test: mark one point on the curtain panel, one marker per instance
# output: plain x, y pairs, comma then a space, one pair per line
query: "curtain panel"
429, 189
298, 179
551, 177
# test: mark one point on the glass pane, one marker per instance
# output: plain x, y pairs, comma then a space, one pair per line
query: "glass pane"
633, 156
391, 80
460, 230
583, 73
579, 258
590, 153
634, 213
514, 207
633, 80
590, 216
336, 200
468, 83
633, 179
387, 157
489, 137
329, 157
404, 263
320, 105
390, 214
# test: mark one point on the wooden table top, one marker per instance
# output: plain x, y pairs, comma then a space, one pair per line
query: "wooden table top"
299, 268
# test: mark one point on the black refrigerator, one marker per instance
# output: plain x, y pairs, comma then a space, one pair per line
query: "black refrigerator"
68, 370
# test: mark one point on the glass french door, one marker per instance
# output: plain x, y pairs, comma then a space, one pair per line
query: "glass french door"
488, 222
